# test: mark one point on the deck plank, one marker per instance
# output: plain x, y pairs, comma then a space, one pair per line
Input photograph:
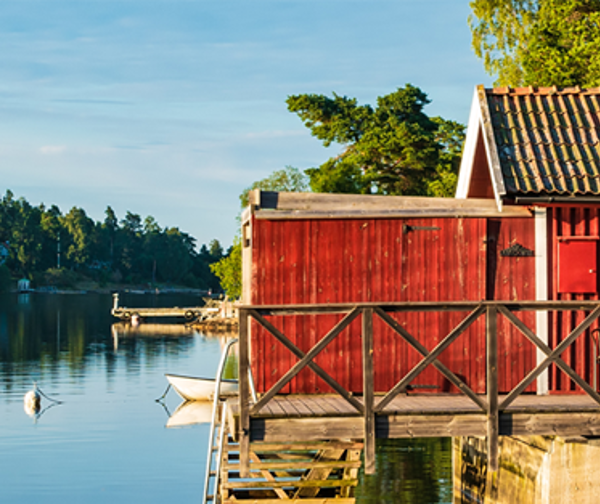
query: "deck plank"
319, 417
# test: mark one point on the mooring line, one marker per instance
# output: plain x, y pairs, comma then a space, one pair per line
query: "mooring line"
163, 396
35, 386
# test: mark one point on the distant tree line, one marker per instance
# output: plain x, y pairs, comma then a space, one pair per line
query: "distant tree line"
49, 248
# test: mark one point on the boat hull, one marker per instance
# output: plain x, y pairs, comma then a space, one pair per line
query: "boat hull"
190, 413
193, 388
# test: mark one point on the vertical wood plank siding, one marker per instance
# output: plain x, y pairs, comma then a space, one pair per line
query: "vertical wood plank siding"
571, 221
512, 278
360, 260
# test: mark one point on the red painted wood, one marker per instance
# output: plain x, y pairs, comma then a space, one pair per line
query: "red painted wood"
354, 260
566, 223
577, 263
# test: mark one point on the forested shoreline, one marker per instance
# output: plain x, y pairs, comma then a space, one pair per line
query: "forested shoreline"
50, 248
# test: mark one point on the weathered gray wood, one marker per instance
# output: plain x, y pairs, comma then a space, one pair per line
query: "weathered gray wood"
432, 404
529, 334
412, 341
320, 463
561, 423
309, 429
433, 355
321, 468
368, 393
557, 352
332, 500
350, 473
224, 475
300, 204
244, 394
312, 365
302, 363
377, 214
415, 426
303, 446
330, 483
266, 475
492, 385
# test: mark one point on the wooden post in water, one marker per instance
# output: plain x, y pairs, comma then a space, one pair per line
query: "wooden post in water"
368, 389
492, 386
244, 396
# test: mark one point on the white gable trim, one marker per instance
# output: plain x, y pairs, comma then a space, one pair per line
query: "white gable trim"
480, 124
468, 155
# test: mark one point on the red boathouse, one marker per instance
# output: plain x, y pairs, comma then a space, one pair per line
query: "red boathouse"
524, 226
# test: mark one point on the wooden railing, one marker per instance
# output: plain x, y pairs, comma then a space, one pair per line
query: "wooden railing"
489, 404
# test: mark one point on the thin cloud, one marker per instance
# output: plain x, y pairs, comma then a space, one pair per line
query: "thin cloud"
52, 150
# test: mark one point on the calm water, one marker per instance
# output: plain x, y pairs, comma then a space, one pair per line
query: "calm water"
108, 441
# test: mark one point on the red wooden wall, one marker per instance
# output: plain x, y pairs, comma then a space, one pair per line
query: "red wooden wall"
564, 222
389, 260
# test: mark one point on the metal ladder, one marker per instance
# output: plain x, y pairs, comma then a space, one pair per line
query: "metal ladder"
215, 443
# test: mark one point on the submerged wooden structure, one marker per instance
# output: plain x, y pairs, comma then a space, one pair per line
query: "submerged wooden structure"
311, 472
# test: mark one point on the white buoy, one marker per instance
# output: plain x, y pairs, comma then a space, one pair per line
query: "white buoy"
32, 402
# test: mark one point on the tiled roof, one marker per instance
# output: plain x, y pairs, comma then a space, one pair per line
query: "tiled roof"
547, 139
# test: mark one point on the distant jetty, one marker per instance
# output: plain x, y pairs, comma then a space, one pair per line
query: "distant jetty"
215, 315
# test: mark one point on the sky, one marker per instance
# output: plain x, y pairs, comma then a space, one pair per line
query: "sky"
171, 108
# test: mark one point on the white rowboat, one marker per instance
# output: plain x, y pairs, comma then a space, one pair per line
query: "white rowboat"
190, 413
200, 389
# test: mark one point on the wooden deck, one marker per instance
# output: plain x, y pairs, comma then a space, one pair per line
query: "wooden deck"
278, 417
314, 417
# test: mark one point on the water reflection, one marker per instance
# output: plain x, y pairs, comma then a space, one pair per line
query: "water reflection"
107, 442
191, 413
413, 471
43, 332
121, 330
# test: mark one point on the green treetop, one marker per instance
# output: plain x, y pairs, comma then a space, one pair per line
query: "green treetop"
393, 148
538, 42
289, 179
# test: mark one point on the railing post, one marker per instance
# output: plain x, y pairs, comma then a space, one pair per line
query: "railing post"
244, 395
368, 389
492, 385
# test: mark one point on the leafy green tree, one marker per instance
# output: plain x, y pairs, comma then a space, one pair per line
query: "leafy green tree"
563, 46
173, 252
51, 229
5, 278
215, 249
289, 179
201, 270
498, 27
132, 223
129, 245
6, 215
390, 149
538, 42
107, 233
136, 249
338, 176
451, 136
26, 236
80, 229
229, 270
